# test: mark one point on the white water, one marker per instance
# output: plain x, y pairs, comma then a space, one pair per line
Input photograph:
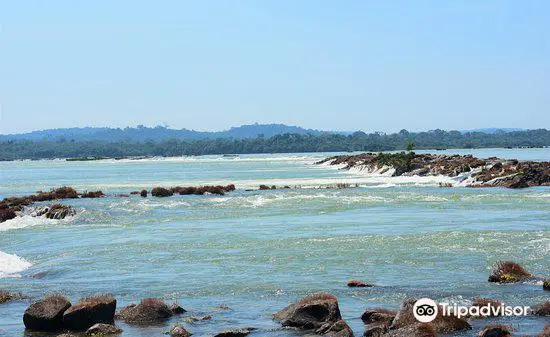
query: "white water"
11, 265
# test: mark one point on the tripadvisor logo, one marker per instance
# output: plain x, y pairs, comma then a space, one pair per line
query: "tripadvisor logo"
426, 310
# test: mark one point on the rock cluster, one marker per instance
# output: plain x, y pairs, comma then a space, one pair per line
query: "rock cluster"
189, 190
148, 311
490, 172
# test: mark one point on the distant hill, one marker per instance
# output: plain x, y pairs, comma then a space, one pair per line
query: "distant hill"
493, 130
159, 133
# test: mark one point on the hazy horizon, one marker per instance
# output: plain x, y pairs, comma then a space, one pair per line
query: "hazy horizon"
211, 65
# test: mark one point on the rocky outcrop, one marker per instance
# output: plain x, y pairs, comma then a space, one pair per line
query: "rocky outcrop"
46, 314
508, 272
201, 190
490, 172
101, 329
161, 192
495, 330
96, 194
89, 311
319, 312
238, 332
7, 214
143, 193
358, 284
148, 311
59, 211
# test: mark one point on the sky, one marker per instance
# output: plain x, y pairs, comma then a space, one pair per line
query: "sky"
330, 65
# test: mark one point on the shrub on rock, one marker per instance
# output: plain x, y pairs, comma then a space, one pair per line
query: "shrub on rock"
318, 311
89, 311
161, 192
148, 311
507, 272
495, 330
46, 314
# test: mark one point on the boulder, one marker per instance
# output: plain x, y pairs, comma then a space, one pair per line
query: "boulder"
356, 283
96, 194
179, 331
318, 311
441, 324
161, 192
89, 311
264, 187
58, 211
375, 331
238, 332
101, 329
545, 284
541, 309
378, 316
7, 214
46, 314
495, 330
143, 193
508, 272
149, 311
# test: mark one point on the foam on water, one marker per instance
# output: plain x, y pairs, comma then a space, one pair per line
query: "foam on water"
25, 221
11, 265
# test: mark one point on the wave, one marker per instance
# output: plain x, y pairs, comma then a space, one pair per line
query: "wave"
28, 220
12, 265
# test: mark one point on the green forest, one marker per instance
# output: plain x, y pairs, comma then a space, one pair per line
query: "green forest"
283, 143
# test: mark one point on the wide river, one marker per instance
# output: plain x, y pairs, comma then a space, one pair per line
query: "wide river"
257, 251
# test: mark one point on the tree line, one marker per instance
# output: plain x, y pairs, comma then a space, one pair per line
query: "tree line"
283, 143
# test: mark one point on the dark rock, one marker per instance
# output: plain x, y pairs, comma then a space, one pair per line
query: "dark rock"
134, 192
223, 307
508, 272
123, 195
89, 311
7, 214
441, 324
178, 331
264, 187
546, 285
177, 309
6, 296
46, 314
318, 311
161, 192
356, 283
96, 194
58, 211
143, 193
378, 316
148, 311
101, 329
193, 319
375, 331
545, 332
239, 332
495, 330
541, 309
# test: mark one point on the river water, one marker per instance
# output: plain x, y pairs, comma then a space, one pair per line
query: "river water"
257, 251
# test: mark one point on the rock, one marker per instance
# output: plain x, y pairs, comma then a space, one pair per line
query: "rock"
541, 309
161, 192
7, 214
545, 332
89, 311
495, 330
46, 314
143, 193
375, 331
508, 272
238, 332
415, 330
58, 211
378, 316
318, 311
193, 319
122, 195
96, 194
545, 284
6, 296
134, 192
178, 331
482, 302
264, 187
148, 311
201, 190
356, 283
101, 329
177, 309
223, 307
441, 324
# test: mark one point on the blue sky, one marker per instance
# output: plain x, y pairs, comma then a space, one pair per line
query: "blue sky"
338, 65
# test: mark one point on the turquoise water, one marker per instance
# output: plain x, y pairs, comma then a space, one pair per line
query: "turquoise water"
257, 251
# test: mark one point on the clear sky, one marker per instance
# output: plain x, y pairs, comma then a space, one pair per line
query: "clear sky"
336, 65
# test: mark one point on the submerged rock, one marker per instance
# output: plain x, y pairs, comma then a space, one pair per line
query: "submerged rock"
508, 272
238, 332
46, 314
179, 331
6, 296
101, 329
89, 311
495, 330
318, 311
359, 284
148, 311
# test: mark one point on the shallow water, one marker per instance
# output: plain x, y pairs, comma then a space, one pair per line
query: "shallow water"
257, 251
